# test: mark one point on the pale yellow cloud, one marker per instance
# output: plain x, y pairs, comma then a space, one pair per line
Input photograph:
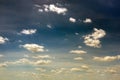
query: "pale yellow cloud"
78, 52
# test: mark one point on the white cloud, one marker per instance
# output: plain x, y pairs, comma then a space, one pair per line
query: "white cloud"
41, 57
87, 20
28, 31
3, 40
75, 69
53, 8
76, 33
78, 51
85, 67
78, 58
93, 40
33, 47
79, 46
29, 62
42, 62
106, 58
72, 19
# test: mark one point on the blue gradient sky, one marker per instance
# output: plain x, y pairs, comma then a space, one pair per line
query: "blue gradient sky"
59, 36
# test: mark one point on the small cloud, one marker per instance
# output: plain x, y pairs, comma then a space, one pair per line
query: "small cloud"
33, 47
1, 55
49, 26
3, 40
78, 58
72, 19
78, 51
2, 65
93, 40
75, 69
42, 62
87, 20
28, 31
40, 10
36, 5
41, 57
106, 58
26, 56
79, 46
76, 33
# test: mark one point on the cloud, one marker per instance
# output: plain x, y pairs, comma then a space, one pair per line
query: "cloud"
107, 58
58, 71
78, 51
28, 31
72, 19
49, 26
3, 40
30, 62
41, 57
33, 47
78, 58
1, 55
93, 40
2, 65
87, 20
42, 62
81, 68
53, 8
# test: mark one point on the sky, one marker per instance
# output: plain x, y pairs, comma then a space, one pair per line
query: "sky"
59, 40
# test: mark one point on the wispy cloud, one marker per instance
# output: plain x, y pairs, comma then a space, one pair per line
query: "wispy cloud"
78, 51
107, 58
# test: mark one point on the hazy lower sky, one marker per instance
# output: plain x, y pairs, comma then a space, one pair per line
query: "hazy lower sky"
59, 40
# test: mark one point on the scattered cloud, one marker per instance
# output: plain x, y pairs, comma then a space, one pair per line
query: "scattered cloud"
42, 62
75, 69
78, 51
76, 33
79, 46
107, 58
52, 8
78, 58
33, 47
3, 40
2, 65
87, 20
49, 26
41, 57
71, 19
93, 40
28, 31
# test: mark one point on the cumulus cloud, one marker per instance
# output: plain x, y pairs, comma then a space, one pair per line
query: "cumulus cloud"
78, 58
75, 69
33, 47
41, 57
93, 40
3, 40
71, 19
52, 8
106, 58
28, 31
87, 20
78, 51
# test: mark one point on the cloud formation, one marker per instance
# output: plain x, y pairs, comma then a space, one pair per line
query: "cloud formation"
52, 8
33, 47
87, 20
71, 19
41, 57
78, 51
78, 58
93, 40
107, 58
28, 31
3, 40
